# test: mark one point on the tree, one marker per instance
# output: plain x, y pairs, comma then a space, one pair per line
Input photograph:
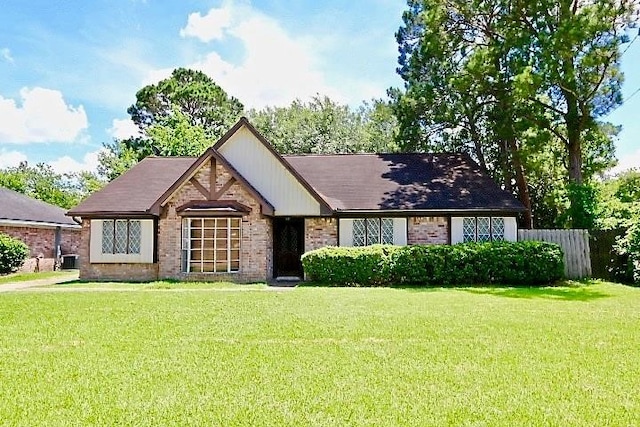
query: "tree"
497, 78
178, 116
191, 92
43, 183
323, 126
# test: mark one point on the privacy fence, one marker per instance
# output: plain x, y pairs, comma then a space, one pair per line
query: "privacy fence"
574, 243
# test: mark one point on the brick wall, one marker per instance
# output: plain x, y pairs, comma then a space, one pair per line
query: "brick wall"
427, 229
41, 242
256, 247
320, 232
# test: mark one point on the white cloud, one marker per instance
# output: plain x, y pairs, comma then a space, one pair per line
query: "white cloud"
123, 129
9, 159
43, 117
208, 27
276, 67
67, 164
5, 54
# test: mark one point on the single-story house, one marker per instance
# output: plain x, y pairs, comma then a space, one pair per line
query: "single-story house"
44, 228
243, 212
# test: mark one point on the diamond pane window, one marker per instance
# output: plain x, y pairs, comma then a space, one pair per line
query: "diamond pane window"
497, 229
386, 231
211, 245
120, 246
135, 237
359, 232
484, 229
107, 236
468, 230
373, 231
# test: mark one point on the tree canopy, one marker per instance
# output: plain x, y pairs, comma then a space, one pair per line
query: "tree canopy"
509, 81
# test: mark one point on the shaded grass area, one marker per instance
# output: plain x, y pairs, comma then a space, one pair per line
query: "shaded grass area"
25, 277
322, 356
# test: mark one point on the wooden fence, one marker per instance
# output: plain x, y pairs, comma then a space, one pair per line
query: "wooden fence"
574, 243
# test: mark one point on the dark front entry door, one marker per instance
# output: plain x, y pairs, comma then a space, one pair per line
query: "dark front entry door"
288, 246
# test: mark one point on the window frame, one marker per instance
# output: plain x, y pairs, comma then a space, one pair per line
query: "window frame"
112, 225
491, 236
210, 236
378, 226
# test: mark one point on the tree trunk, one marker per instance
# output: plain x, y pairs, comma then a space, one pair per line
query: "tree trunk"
521, 183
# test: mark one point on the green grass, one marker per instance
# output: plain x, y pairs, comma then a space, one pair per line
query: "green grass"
157, 285
322, 356
25, 277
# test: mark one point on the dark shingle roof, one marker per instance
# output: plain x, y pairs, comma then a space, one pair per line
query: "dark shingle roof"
15, 206
403, 181
138, 189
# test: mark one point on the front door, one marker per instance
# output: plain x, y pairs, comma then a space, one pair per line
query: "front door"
288, 246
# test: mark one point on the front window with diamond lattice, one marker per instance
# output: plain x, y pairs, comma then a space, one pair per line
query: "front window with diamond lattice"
370, 231
482, 229
121, 236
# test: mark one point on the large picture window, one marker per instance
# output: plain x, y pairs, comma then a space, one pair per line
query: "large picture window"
211, 245
482, 229
121, 236
369, 231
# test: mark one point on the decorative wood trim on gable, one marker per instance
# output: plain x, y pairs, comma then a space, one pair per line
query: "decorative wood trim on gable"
325, 208
223, 189
189, 176
206, 193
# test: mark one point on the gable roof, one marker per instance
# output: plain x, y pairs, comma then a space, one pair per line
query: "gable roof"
19, 209
135, 191
392, 182
325, 208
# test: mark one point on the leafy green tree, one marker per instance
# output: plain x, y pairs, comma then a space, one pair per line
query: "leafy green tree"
325, 126
178, 116
43, 183
498, 79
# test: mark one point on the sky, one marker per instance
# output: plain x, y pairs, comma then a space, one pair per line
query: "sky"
70, 69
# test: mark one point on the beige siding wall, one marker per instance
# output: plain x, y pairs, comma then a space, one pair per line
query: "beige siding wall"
259, 167
427, 230
320, 232
256, 261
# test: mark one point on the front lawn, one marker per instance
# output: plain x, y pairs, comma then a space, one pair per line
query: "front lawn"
25, 277
321, 356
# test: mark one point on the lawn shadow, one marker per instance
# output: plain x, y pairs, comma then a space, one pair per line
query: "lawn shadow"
582, 293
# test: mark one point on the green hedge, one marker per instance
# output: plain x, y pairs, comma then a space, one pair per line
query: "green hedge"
13, 253
506, 263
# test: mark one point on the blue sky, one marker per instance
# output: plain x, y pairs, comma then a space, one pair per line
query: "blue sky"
70, 69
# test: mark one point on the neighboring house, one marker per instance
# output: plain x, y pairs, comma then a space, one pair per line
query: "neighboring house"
45, 228
242, 212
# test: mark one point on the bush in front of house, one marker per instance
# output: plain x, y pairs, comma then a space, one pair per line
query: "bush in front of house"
13, 253
504, 263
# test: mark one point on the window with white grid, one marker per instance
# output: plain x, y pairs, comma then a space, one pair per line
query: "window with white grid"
468, 230
497, 229
121, 236
371, 231
211, 245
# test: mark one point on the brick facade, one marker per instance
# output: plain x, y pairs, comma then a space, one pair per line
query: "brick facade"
427, 230
320, 232
41, 242
256, 247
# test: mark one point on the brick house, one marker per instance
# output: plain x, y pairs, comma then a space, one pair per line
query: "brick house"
44, 228
242, 212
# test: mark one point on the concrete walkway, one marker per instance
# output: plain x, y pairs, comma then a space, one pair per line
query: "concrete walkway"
16, 286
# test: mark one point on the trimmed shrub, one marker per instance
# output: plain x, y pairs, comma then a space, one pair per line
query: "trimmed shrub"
506, 263
13, 253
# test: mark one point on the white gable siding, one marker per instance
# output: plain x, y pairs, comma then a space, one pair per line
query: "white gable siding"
267, 175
